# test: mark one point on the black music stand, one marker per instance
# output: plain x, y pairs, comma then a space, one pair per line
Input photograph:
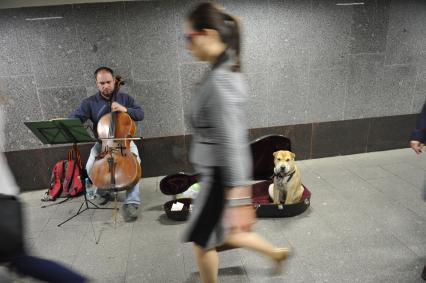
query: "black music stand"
64, 131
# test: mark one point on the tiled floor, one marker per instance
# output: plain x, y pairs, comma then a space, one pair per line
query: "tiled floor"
366, 223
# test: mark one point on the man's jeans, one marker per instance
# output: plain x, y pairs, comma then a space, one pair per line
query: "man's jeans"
132, 195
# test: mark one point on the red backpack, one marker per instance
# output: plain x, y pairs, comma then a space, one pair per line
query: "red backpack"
66, 179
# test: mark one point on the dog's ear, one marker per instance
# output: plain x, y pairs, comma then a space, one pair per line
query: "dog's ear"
275, 154
293, 155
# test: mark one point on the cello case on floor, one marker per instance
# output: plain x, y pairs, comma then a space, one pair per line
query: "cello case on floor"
173, 185
263, 168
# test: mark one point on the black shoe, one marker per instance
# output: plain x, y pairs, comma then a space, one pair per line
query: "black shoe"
424, 273
130, 212
102, 200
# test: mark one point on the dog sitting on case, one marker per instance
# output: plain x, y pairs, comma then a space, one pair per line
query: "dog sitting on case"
287, 186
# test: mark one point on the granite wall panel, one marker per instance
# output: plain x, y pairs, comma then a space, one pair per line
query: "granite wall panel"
363, 91
419, 95
405, 40
327, 90
190, 76
396, 90
161, 103
22, 105
286, 17
53, 46
288, 92
102, 33
60, 102
306, 61
257, 114
255, 32
330, 34
153, 39
14, 56
369, 27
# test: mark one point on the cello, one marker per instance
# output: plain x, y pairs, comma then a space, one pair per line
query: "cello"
116, 168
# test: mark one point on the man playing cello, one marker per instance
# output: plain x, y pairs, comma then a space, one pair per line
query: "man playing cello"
93, 108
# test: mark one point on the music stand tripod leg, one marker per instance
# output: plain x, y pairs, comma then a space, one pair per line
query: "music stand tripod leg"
86, 201
78, 212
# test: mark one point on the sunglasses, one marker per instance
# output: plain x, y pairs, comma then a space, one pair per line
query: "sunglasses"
191, 35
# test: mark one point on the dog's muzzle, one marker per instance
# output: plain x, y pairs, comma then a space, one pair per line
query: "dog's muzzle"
280, 170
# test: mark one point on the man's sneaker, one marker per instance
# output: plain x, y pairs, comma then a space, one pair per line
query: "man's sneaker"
130, 212
102, 200
424, 273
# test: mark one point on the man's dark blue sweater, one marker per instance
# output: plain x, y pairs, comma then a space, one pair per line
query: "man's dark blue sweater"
95, 106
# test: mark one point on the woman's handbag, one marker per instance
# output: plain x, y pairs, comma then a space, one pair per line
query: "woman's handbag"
11, 227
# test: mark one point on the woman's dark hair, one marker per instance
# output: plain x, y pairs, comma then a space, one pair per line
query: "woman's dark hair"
209, 16
106, 69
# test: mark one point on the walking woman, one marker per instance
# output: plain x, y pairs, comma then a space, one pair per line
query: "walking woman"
223, 213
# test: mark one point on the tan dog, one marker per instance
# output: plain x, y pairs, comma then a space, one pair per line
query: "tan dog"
286, 179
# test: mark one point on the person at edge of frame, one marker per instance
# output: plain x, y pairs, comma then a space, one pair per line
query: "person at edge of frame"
417, 140
20, 260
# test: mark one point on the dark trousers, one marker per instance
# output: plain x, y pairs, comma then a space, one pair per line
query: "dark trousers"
44, 269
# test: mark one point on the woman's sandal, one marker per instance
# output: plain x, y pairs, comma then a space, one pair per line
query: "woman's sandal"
279, 255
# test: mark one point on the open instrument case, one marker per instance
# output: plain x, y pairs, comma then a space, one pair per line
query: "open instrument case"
176, 184
263, 165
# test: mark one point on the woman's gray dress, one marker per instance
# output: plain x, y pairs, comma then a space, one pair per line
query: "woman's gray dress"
219, 152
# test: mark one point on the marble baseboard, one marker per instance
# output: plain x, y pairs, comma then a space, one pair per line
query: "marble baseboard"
167, 155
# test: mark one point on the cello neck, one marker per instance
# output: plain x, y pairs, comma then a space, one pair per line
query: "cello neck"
118, 82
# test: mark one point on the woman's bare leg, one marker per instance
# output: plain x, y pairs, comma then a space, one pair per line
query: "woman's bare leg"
208, 264
255, 242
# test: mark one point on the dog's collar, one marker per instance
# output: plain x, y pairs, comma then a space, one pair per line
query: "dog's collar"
289, 175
